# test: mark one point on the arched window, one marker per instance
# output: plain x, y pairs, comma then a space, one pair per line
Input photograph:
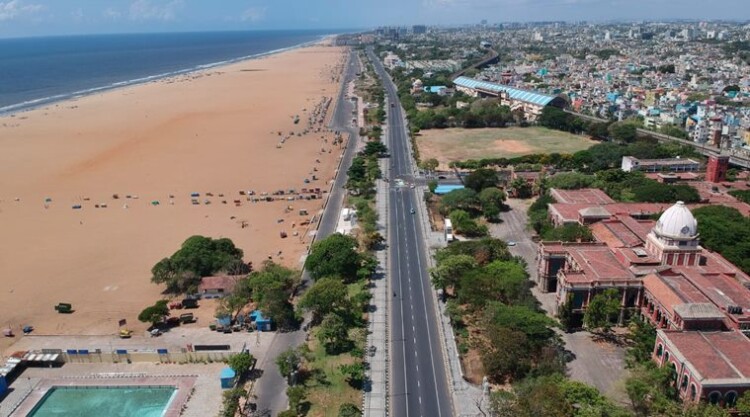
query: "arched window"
666, 356
693, 392
673, 369
684, 383
714, 397
730, 399
659, 350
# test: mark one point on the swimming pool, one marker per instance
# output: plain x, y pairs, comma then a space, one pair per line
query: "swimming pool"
114, 401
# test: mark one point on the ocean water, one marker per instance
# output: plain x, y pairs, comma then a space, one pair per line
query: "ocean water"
38, 71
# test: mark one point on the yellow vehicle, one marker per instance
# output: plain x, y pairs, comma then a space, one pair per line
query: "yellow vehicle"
125, 333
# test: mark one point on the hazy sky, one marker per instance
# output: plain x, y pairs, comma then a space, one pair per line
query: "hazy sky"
45, 17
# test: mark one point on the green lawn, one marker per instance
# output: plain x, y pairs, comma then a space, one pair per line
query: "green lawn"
328, 393
458, 144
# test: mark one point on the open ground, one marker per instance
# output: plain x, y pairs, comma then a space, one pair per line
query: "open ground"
458, 144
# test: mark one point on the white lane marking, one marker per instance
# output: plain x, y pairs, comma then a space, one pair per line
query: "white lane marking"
403, 333
424, 304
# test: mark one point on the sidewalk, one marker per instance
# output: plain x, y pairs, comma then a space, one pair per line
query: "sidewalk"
375, 398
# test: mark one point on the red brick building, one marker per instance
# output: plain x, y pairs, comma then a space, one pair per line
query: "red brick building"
699, 301
707, 366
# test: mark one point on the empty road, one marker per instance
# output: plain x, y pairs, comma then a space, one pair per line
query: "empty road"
419, 385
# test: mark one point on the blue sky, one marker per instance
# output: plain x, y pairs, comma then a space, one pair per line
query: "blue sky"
52, 17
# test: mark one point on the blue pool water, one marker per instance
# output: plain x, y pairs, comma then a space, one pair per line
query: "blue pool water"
136, 401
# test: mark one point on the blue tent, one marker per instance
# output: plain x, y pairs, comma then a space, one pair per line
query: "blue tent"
3, 386
227, 378
262, 323
225, 321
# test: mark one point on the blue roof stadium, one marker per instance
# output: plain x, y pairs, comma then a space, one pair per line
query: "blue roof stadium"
514, 93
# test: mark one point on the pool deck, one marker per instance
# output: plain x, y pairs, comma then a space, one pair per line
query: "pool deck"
198, 386
183, 384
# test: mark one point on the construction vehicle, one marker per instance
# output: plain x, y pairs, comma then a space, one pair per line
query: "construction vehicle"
125, 333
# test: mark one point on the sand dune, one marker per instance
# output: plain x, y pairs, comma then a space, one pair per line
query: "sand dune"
213, 132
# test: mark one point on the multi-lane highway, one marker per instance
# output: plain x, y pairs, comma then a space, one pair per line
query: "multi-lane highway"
418, 381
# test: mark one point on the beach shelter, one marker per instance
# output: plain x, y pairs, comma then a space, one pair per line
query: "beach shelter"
227, 377
262, 323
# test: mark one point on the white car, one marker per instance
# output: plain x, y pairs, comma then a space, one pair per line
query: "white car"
511, 243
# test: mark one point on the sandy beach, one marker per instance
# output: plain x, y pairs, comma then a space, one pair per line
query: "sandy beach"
218, 133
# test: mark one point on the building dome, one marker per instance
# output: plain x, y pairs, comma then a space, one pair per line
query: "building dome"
677, 222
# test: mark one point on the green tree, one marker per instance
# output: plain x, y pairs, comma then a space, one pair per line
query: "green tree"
535, 325
481, 178
375, 147
602, 310
483, 250
241, 363
234, 302
154, 314
506, 354
598, 130
430, 165
333, 333
492, 201
571, 181
355, 374
569, 233
565, 313
462, 199
326, 295
642, 337
296, 395
198, 257
349, 410
336, 255
271, 289
288, 361
623, 131
521, 188
743, 405
673, 130
450, 269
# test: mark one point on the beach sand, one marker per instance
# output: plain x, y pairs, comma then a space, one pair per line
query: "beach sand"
210, 132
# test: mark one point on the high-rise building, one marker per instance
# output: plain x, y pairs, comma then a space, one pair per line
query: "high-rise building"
419, 29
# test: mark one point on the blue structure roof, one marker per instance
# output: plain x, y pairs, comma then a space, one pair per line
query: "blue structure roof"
514, 93
446, 188
227, 373
434, 89
257, 315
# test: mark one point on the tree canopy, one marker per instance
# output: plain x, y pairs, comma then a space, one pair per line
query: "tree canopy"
336, 255
154, 314
198, 257
481, 178
325, 296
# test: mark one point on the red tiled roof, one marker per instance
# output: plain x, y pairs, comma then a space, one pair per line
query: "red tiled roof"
587, 196
714, 355
598, 264
224, 282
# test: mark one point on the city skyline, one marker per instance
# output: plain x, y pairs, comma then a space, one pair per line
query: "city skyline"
20, 18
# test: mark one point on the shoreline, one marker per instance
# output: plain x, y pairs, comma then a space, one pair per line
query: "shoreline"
13, 110
254, 125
